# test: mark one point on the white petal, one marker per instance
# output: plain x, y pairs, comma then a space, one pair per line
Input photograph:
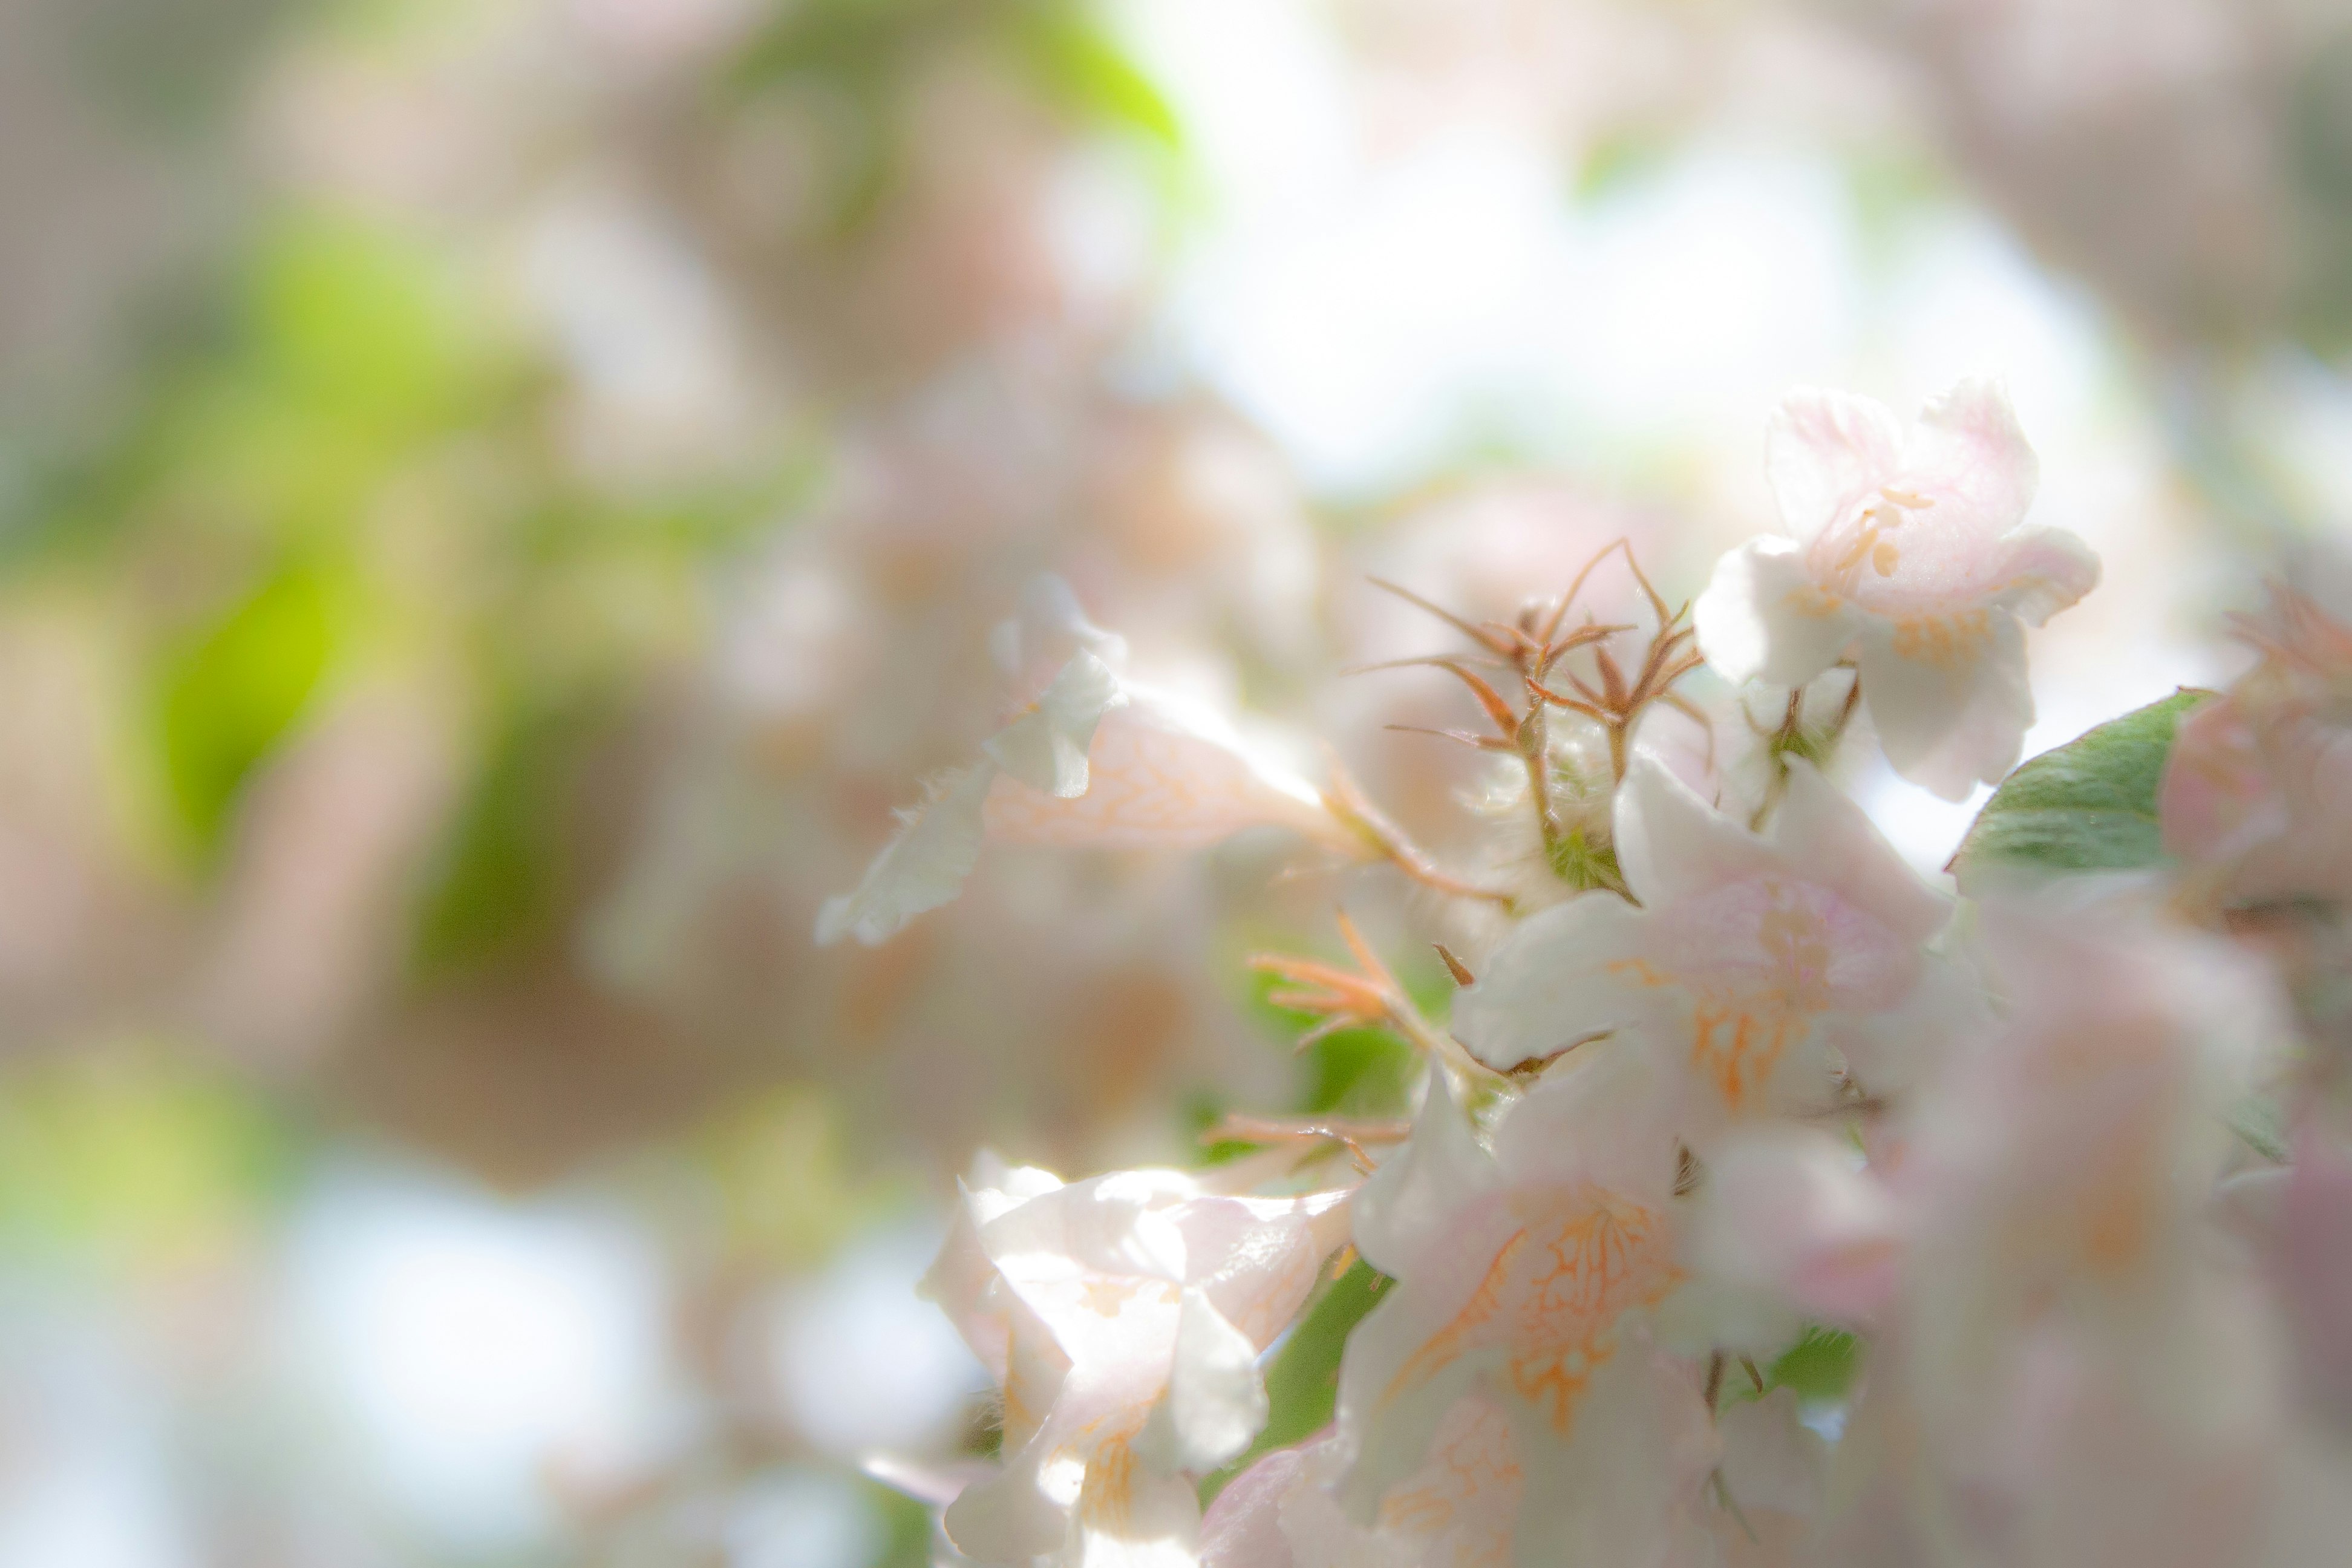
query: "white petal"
1528, 1289
1786, 1212
1049, 627
937, 1484
1008, 1517
1824, 451
1948, 696
1550, 985
1671, 844
1605, 1491
1389, 1408
1762, 617
1257, 1258
1128, 1516
1122, 1223
1045, 748
1830, 839
1604, 1116
2042, 570
1165, 772
959, 1281
920, 869
1409, 1201
1217, 1400
1035, 1367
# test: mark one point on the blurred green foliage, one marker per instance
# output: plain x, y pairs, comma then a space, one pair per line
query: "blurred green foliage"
231, 691
135, 1156
858, 60
791, 1192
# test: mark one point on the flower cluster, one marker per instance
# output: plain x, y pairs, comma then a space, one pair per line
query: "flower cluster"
1761, 1201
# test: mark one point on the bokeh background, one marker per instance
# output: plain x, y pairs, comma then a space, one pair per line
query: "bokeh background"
500, 499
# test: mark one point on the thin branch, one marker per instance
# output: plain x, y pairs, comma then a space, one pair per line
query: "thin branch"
1476, 635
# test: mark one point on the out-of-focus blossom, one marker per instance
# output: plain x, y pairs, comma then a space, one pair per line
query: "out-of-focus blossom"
2255, 789
1749, 964
2073, 1379
2314, 1263
1124, 1317
1525, 1275
310, 925
1093, 759
1788, 1212
1908, 553
1768, 1483
2176, 153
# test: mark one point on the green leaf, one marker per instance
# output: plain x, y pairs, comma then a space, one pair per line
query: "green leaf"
1303, 1385
1821, 1366
2089, 806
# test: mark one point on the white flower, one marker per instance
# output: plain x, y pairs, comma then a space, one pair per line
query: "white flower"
1123, 1317
1749, 960
1525, 1275
1093, 761
1909, 553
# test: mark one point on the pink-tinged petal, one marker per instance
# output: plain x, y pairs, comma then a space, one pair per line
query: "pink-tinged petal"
1773, 1463
1820, 829
2315, 1267
1969, 457
1045, 747
1462, 1506
1163, 772
1949, 696
1889, 1053
1242, 1527
2217, 798
2042, 570
1938, 535
1825, 452
920, 869
1762, 617
1788, 1213
1560, 979
1671, 844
